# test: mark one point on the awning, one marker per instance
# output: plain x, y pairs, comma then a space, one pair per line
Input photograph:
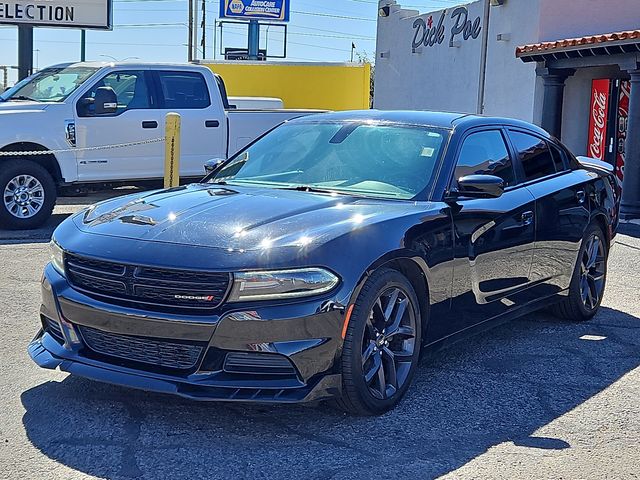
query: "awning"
588, 46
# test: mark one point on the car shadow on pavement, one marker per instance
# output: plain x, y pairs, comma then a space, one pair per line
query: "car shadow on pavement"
501, 386
37, 235
65, 207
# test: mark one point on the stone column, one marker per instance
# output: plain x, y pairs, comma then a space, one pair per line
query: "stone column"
553, 98
630, 206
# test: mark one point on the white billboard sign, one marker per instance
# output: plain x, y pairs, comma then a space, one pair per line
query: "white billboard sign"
85, 14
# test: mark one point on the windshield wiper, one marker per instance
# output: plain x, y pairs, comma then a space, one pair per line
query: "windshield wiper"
309, 188
23, 97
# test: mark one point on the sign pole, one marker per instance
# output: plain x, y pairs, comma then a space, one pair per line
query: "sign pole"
254, 39
25, 51
83, 45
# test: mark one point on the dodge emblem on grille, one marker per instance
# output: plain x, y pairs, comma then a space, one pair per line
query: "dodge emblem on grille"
206, 298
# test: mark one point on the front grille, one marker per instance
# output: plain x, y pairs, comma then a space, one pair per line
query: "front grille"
258, 364
147, 287
146, 350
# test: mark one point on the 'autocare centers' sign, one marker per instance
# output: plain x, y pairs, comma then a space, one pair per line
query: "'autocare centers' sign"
459, 26
255, 9
88, 14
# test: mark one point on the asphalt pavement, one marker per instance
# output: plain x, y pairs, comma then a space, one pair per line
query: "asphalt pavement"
536, 398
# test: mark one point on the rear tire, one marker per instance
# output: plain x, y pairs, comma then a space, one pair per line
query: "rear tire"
589, 278
381, 346
28, 194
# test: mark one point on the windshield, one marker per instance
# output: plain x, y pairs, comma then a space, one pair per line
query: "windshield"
369, 159
49, 85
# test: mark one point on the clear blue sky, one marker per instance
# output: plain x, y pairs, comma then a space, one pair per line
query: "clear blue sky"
156, 30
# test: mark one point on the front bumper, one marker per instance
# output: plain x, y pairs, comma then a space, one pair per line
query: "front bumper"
307, 334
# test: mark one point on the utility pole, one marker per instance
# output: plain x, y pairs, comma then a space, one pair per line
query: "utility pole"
203, 43
190, 40
195, 29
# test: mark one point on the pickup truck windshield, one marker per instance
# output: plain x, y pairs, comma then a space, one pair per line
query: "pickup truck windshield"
368, 159
49, 85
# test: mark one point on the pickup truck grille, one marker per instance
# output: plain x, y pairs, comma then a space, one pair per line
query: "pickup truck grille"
142, 349
147, 287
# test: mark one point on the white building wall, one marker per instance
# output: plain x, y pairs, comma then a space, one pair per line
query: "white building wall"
510, 83
438, 77
560, 19
447, 78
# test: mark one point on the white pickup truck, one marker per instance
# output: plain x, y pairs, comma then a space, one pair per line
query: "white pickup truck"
68, 109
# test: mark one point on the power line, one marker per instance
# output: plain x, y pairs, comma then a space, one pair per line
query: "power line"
330, 15
70, 42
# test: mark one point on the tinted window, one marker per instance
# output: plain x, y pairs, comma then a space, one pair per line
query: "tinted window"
558, 158
485, 153
130, 88
184, 90
534, 154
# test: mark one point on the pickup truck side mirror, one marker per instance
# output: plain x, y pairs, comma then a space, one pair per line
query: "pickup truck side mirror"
105, 101
479, 186
212, 165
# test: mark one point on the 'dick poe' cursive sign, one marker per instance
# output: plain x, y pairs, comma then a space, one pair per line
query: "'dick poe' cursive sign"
429, 33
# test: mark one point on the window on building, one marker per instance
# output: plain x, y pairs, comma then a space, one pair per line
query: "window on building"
534, 154
485, 153
184, 90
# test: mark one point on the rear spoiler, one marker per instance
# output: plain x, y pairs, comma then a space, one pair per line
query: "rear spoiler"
596, 165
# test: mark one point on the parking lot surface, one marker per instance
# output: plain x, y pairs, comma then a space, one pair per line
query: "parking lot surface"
535, 398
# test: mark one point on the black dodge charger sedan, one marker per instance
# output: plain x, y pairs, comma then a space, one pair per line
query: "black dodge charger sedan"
320, 261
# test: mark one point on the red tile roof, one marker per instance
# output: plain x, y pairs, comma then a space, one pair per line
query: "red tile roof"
588, 41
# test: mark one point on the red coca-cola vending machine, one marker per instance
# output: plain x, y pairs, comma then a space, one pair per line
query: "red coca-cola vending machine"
608, 122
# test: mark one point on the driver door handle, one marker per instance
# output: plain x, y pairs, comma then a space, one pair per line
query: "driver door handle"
150, 124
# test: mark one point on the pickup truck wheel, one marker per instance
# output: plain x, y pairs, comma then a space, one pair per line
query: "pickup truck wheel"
28, 194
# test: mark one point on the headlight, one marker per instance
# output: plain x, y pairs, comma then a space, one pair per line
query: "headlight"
56, 256
274, 284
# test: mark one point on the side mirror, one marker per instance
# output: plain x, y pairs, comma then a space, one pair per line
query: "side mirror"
480, 186
212, 165
105, 101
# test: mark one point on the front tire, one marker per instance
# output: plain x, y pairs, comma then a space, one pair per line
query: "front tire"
28, 194
589, 278
382, 345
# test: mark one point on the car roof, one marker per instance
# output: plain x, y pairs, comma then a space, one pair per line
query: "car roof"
129, 64
449, 120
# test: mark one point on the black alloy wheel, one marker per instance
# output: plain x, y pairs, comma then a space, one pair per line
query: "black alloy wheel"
592, 272
382, 344
589, 278
388, 343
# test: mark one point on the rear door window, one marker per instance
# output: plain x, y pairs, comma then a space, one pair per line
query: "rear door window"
535, 155
184, 90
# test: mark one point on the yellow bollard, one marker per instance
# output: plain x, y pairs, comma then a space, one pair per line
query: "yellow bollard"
172, 150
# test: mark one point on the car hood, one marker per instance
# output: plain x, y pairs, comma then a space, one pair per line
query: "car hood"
235, 218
